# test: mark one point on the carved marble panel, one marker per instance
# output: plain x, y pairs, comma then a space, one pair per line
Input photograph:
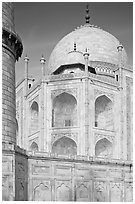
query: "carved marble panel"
99, 191
5, 193
56, 136
83, 172
99, 173
21, 176
82, 192
63, 170
42, 193
115, 192
115, 174
128, 192
98, 93
5, 166
63, 193
40, 169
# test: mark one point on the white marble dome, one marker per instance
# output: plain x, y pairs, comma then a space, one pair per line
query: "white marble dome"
101, 45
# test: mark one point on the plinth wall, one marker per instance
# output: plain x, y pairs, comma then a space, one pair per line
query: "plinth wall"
80, 179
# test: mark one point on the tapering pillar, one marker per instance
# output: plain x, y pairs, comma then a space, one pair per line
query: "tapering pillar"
26, 59
11, 51
120, 50
86, 59
42, 60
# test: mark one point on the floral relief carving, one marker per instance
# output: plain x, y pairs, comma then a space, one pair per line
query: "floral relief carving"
99, 191
42, 192
101, 136
98, 93
56, 136
63, 192
82, 192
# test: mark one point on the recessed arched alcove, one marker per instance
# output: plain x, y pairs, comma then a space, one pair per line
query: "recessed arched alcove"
34, 147
64, 112
34, 116
104, 113
64, 146
103, 148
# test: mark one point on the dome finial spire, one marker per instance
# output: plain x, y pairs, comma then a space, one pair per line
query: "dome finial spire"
74, 46
87, 17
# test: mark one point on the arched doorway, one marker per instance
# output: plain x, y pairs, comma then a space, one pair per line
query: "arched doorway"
34, 117
64, 112
104, 113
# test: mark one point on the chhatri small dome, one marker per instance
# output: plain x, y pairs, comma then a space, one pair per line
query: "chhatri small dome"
101, 45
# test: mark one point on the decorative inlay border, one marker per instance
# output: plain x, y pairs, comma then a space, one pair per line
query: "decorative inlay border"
57, 92
102, 136
98, 93
99, 185
56, 136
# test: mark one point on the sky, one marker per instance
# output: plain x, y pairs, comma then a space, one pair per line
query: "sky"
41, 25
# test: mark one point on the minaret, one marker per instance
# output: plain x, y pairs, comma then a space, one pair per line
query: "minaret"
120, 50
11, 51
86, 57
42, 60
26, 59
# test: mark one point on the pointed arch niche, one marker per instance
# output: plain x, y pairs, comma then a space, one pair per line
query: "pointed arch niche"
34, 147
104, 113
64, 146
34, 116
103, 148
64, 112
